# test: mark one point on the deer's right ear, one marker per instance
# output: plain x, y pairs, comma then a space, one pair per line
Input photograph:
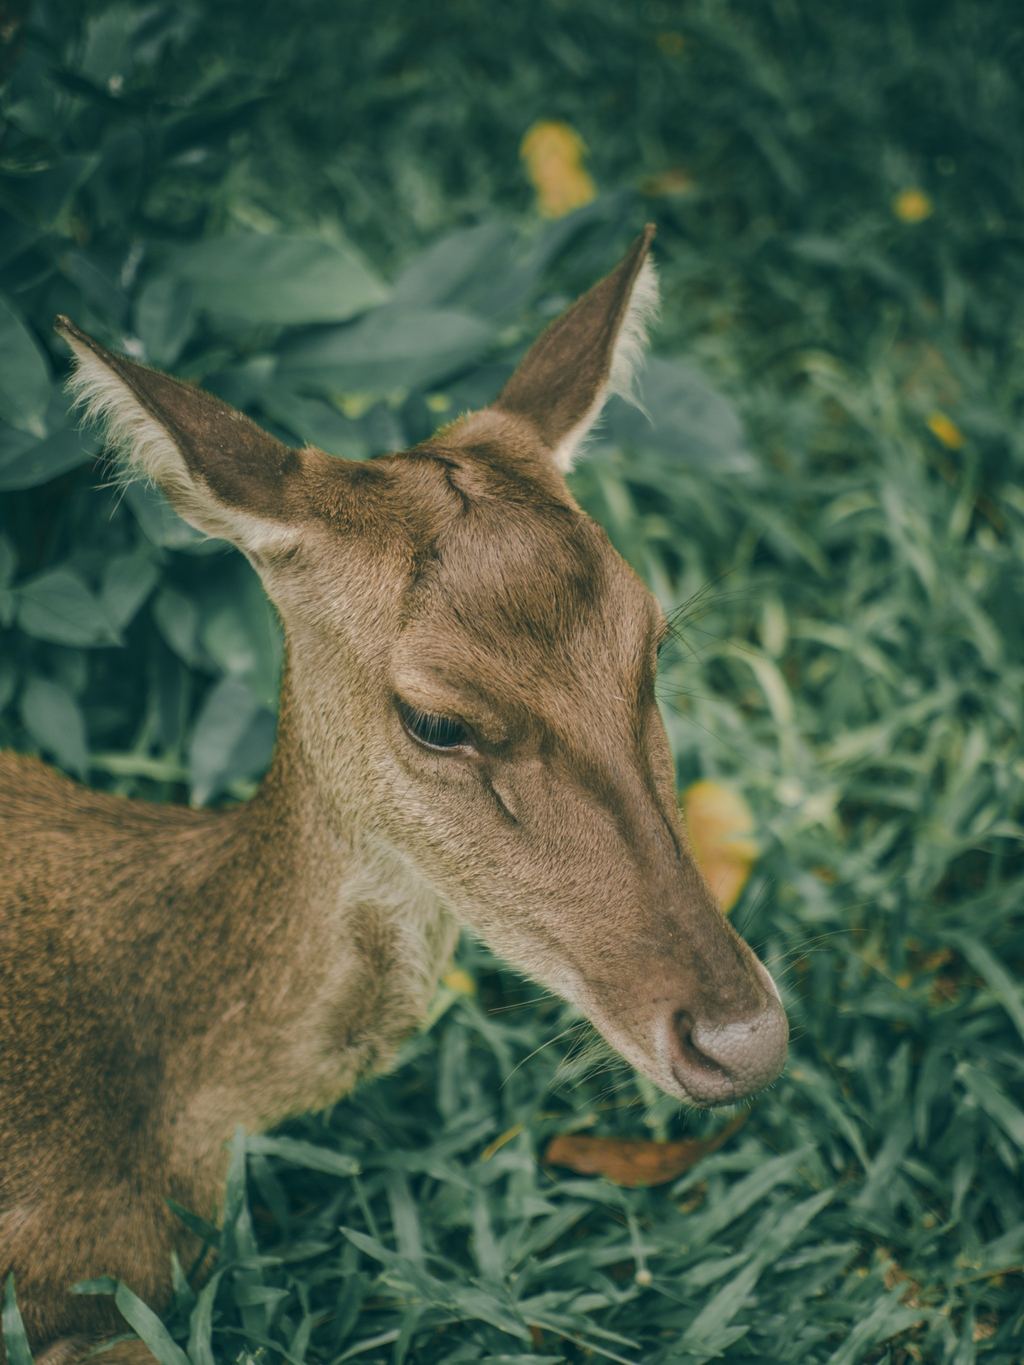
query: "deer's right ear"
591, 351
221, 472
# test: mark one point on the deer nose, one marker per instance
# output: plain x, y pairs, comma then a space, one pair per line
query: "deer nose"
718, 1062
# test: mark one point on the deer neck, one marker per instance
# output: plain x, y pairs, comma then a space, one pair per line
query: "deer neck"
344, 947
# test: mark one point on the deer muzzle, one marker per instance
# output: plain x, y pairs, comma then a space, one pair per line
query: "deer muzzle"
715, 1062
707, 1038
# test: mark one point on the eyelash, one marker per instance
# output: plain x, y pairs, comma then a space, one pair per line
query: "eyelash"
443, 734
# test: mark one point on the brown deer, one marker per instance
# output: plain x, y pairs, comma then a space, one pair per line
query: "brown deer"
468, 735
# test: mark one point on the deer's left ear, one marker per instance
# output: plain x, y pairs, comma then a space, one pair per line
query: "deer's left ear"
220, 471
591, 351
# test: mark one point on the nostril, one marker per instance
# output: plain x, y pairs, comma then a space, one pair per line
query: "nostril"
716, 1061
691, 1053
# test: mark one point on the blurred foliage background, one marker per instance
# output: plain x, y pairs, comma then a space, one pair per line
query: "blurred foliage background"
322, 211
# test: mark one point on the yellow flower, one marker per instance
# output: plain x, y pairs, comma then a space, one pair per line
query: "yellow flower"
459, 981
553, 153
671, 43
721, 828
674, 181
912, 206
944, 429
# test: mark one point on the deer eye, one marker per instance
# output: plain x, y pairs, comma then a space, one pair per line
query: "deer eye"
433, 731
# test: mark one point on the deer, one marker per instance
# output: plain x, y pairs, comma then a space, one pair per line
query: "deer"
468, 737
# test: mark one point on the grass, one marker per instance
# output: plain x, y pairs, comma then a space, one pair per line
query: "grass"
832, 489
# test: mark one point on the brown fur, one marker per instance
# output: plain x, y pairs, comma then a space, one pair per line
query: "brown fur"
166, 974
582, 342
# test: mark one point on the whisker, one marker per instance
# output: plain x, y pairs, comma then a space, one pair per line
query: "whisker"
663, 693
582, 1023
521, 1004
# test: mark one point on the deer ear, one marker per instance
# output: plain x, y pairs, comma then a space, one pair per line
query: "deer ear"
591, 351
221, 472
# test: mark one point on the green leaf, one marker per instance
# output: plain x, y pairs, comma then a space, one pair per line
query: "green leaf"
993, 1101
54, 719
711, 1329
58, 606
14, 1334
450, 268
24, 374
683, 417
39, 461
314, 421
1007, 991
199, 1227
237, 1240
128, 580
220, 749
479, 1304
522, 1358
102, 1284
177, 618
44, 195
277, 279
887, 1317
305, 1154
8, 560
162, 524
200, 1335
14, 444
142, 1320
165, 315
743, 1194
8, 670
107, 45
391, 348
239, 633
228, 643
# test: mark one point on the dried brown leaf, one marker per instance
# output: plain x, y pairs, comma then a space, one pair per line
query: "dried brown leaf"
635, 1161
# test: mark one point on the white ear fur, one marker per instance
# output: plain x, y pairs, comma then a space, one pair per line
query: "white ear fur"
627, 357
144, 447
145, 450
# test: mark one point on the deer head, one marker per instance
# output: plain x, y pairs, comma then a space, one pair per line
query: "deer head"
470, 680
